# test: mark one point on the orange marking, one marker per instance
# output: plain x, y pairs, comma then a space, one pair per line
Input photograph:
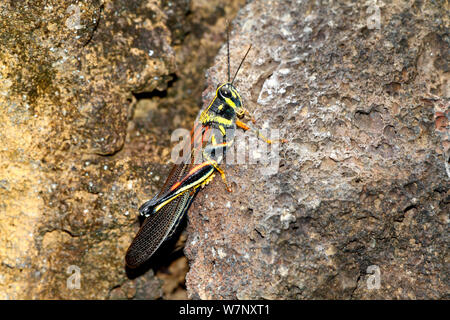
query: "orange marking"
242, 125
199, 166
221, 144
196, 132
205, 134
175, 186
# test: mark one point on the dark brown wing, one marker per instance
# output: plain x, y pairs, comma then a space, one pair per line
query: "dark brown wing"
157, 227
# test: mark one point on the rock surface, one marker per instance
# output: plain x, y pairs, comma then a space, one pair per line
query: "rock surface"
90, 93
358, 204
78, 154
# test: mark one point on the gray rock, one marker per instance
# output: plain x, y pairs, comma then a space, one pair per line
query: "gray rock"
360, 192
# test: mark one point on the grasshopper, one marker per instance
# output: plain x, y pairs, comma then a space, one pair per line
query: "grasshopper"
163, 213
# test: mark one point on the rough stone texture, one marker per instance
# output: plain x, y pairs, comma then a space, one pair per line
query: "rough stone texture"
78, 155
364, 178
65, 89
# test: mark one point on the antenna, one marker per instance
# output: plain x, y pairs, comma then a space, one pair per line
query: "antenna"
228, 48
240, 64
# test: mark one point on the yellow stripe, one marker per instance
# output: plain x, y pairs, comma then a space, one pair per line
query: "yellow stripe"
230, 102
166, 202
238, 96
184, 189
222, 120
217, 91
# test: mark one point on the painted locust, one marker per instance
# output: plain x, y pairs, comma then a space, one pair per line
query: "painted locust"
212, 134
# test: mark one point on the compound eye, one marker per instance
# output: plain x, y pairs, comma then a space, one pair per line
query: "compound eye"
225, 92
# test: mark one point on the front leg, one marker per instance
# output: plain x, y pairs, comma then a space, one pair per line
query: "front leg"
246, 127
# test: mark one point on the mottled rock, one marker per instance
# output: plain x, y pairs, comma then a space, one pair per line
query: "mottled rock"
78, 154
361, 92
67, 76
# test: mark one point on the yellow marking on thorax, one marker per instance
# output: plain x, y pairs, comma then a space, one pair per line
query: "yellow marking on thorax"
217, 92
222, 120
206, 117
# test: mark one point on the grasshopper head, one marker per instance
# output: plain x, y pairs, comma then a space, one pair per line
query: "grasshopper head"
230, 96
